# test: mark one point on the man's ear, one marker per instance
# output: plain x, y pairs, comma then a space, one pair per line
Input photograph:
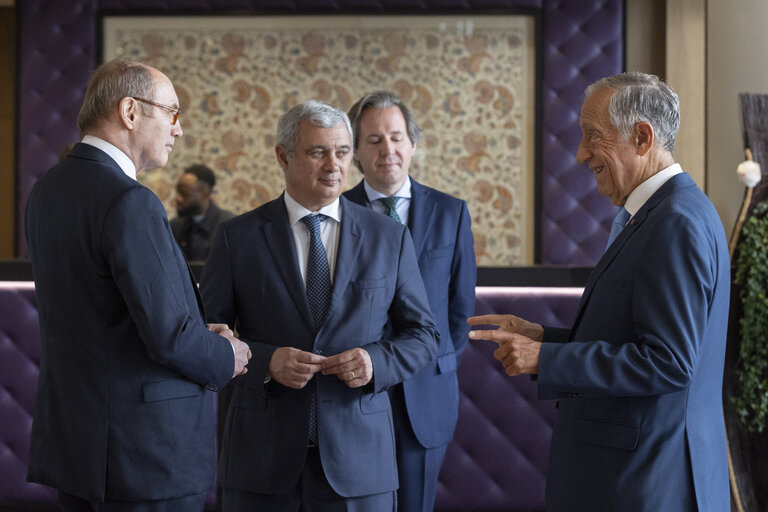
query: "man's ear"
282, 156
127, 111
644, 137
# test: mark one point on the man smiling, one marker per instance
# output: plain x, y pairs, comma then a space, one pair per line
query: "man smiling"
639, 375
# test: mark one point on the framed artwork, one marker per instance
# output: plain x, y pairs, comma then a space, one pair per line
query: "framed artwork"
470, 81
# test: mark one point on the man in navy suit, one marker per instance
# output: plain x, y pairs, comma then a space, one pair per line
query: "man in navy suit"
639, 375
426, 406
124, 414
329, 298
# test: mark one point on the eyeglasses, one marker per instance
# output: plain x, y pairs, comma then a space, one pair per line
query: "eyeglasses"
175, 111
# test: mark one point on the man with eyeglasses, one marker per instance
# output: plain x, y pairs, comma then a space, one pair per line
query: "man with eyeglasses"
124, 415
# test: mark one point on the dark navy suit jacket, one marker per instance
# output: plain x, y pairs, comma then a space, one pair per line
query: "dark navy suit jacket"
251, 280
639, 376
122, 409
442, 236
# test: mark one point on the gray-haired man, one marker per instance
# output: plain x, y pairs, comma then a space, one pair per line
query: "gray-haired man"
328, 296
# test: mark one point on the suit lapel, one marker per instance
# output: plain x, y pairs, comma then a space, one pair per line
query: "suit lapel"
420, 216
357, 195
350, 241
672, 185
279, 237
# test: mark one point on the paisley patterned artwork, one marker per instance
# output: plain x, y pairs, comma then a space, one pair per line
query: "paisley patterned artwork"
468, 80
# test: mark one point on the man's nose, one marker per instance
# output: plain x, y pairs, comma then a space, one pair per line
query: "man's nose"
332, 162
582, 153
176, 130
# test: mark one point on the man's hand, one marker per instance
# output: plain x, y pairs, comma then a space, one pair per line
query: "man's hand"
353, 367
509, 323
241, 350
293, 368
517, 351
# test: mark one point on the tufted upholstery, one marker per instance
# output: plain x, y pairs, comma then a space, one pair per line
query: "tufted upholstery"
19, 362
582, 41
498, 457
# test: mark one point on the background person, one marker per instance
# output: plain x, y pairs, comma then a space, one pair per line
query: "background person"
198, 215
426, 406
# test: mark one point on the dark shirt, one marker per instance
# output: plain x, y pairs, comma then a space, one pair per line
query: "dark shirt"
194, 238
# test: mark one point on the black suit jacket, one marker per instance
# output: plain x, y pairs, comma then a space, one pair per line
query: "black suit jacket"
123, 411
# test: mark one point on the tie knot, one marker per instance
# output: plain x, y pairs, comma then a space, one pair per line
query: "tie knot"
389, 202
390, 207
312, 221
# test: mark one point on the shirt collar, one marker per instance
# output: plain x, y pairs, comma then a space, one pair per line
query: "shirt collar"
118, 156
638, 197
296, 211
373, 194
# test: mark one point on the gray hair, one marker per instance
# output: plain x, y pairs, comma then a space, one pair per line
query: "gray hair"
316, 112
640, 97
110, 83
384, 99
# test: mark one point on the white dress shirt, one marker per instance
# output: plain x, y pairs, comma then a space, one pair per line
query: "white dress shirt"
118, 156
403, 204
638, 197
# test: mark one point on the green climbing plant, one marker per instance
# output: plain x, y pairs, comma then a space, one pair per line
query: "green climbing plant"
751, 400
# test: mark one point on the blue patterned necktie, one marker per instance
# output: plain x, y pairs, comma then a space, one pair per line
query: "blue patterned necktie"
390, 207
318, 294
318, 271
618, 224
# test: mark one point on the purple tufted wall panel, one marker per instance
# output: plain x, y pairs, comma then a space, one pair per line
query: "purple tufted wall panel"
582, 41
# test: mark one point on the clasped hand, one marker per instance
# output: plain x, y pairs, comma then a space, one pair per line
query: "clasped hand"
242, 352
293, 368
519, 341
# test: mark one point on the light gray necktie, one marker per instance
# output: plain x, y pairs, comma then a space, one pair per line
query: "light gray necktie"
618, 224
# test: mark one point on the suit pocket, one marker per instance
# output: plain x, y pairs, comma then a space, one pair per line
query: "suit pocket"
364, 284
621, 436
373, 403
169, 389
439, 252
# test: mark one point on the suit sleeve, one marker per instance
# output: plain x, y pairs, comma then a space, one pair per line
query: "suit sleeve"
461, 290
414, 336
218, 291
671, 291
145, 265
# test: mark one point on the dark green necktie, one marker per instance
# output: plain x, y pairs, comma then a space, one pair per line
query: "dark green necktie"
390, 207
